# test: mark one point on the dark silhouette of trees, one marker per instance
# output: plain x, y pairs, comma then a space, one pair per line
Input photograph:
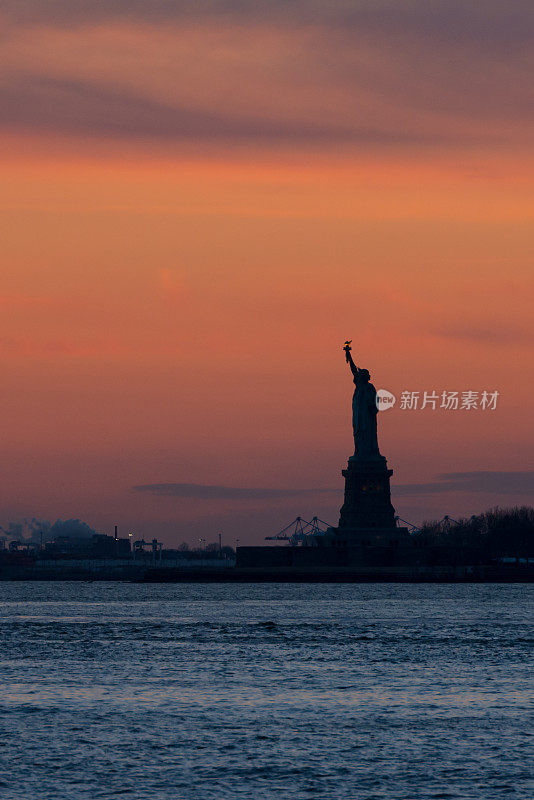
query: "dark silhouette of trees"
482, 539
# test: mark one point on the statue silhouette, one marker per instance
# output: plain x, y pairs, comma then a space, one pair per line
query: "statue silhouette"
364, 413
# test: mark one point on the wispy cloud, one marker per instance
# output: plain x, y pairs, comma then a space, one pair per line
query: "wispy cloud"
479, 481
369, 72
486, 481
206, 492
491, 23
35, 102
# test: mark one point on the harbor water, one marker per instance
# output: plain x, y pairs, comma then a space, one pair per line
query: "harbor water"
269, 691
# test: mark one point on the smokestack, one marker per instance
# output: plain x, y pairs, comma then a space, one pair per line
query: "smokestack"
116, 532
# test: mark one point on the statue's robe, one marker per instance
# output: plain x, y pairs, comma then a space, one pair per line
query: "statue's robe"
364, 412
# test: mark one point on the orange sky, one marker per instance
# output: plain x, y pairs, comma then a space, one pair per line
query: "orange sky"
174, 298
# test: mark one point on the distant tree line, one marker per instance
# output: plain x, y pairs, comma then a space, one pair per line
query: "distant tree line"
482, 539
211, 548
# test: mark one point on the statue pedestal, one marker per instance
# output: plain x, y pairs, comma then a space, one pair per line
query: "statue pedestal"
367, 502
367, 533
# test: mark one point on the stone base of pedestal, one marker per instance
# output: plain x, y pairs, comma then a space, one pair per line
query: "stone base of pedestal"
363, 538
367, 502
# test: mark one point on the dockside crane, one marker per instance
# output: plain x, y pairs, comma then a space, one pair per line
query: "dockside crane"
299, 529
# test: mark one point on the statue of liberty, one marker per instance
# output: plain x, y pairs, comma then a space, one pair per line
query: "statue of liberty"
364, 413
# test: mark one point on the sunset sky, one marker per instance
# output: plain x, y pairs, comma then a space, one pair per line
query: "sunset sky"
202, 200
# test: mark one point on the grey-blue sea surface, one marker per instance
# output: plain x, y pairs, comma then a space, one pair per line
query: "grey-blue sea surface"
202, 692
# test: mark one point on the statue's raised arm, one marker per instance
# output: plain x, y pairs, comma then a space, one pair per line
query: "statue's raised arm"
348, 356
352, 365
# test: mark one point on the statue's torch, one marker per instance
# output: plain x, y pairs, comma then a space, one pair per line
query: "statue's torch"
347, 348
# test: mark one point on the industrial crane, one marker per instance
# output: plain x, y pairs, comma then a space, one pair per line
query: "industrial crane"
299, 529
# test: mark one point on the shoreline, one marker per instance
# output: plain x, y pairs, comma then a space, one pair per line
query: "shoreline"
482, 574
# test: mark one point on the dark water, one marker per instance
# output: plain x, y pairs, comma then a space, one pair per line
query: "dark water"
393, 692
